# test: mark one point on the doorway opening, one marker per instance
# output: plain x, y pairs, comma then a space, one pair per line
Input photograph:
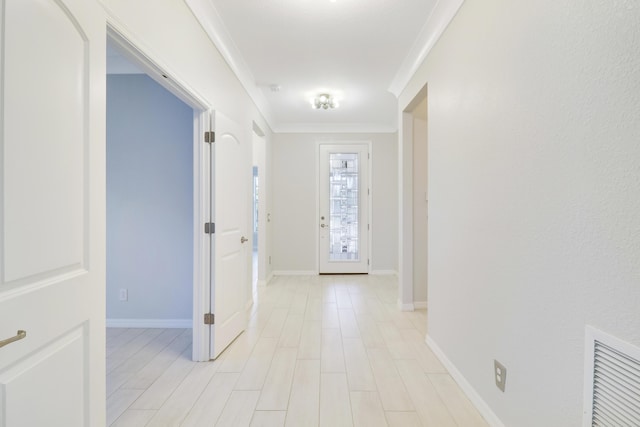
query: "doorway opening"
261, 218
158, 264
256, 188
414, 172
254, 224
420, 204
149, 201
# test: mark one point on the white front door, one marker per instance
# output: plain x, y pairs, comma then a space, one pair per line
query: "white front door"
344, 202
231, 249
52, 202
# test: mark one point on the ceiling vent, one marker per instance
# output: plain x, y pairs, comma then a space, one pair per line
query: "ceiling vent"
612, 381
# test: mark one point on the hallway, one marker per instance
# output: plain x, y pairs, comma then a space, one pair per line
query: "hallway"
320, 350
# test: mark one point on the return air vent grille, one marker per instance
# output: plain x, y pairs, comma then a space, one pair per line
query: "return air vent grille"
616, 386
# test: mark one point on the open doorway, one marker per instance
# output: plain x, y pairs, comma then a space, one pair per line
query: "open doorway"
259, 203
414, 172
254, 224
173, 178
420, 204
149, 201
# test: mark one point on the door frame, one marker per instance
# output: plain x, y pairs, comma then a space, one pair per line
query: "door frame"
258, 137
405, 203
368, 144
132, 49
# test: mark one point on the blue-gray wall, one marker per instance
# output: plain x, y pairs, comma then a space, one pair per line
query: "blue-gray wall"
149, 200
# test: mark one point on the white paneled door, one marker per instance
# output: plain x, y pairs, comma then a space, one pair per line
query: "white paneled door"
231, 248
344, 202
52, 203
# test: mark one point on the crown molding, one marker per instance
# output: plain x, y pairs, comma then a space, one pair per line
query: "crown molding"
437, 22
208, 17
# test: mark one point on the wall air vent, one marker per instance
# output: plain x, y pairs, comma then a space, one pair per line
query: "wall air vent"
612, 381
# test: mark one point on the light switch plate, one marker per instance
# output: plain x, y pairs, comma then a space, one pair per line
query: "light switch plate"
500, 374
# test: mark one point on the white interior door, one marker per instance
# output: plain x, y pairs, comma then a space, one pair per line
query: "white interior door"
344, 203
52, 202
230, 243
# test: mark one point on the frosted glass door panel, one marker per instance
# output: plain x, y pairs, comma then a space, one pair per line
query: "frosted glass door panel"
344, 213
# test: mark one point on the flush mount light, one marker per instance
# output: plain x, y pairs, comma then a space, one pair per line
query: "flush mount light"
324, 101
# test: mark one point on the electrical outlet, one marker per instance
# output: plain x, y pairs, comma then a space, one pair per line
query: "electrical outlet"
500, 374
123, 295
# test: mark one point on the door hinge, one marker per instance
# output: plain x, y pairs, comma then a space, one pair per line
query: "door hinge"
209, 318
209, 228
368, 191
368, 155
368, 261
209, 136
368, 227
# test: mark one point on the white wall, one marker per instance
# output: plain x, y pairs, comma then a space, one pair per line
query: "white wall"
534, 188
149, 200
295, 196
420, 265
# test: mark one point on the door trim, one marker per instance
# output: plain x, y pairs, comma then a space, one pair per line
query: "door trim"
264, 219
405, 204
133, 50
369, 144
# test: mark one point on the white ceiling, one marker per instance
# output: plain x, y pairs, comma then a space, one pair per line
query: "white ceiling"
361, 51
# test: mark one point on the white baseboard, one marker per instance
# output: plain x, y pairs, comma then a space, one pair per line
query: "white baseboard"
149, 323
467, 388
405, 307
265, 282
419, 305
384, 273
294, 273
315, 273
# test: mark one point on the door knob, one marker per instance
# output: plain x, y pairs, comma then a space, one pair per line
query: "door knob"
322, 225
243, 239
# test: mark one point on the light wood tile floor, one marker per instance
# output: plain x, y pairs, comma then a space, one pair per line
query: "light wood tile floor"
319, 351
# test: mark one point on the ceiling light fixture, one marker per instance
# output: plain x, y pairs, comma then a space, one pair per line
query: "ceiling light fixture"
324, 101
